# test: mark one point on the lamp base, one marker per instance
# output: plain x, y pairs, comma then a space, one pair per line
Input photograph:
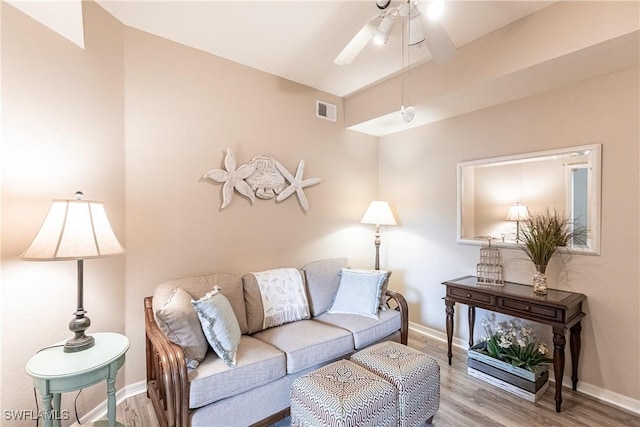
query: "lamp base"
80, 341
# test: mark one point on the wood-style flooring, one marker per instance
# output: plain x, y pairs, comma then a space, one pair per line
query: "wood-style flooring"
466, 401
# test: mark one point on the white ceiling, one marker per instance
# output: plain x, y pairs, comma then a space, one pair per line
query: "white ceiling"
298, 40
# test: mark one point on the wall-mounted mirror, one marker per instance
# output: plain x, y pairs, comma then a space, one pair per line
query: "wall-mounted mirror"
492, 191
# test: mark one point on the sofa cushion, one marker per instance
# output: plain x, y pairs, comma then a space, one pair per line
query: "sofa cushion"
197, 286
179, 322
219, 325
257, 363
365, 330
359, 292
307, 343
323, 279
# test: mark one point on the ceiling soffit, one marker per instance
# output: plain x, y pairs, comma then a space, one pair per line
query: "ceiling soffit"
530, 56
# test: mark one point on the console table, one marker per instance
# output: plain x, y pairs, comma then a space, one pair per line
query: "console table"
55, 372
560, 309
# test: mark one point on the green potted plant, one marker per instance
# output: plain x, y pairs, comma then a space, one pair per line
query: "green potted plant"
541, 236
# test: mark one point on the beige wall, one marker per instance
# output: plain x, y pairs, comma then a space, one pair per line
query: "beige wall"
62, 131
418, 176
135, 121
183, 108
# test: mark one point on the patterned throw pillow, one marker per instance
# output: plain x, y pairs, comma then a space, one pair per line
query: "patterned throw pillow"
359, 292
219, 325
284, 298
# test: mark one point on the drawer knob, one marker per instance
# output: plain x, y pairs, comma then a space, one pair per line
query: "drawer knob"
527, 308
468, 295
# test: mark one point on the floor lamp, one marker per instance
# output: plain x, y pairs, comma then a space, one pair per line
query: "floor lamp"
378, 213
75, 230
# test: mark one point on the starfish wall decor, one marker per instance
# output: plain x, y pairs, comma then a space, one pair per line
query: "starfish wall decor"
263, 177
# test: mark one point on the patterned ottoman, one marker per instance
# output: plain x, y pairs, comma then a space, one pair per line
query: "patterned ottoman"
414, 374
343, 394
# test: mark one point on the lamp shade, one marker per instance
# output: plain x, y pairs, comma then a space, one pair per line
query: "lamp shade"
378, 213
72, 230
518, 212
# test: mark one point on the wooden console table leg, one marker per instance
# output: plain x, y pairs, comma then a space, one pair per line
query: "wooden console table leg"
449, 310
472, 322
574, 344
559, 342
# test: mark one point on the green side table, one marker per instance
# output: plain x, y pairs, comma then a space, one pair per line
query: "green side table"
55, 372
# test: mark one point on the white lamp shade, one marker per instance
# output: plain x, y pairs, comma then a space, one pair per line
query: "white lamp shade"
74, 229
378, 213
518, 212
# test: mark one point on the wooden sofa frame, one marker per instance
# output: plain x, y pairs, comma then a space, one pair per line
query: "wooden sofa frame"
167, 381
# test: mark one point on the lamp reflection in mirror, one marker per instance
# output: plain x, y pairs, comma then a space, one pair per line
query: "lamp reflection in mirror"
378, 213
518, 213
75, 230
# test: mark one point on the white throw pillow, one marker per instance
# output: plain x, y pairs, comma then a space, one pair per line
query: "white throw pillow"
284, 298
359, 292
219, 325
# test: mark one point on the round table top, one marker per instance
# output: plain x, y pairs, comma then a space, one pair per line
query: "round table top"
53, 362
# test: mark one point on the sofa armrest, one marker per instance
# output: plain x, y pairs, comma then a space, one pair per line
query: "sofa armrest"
167, 380
396, 301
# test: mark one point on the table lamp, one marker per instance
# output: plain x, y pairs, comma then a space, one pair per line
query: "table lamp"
75, 230
518, 213
378, 213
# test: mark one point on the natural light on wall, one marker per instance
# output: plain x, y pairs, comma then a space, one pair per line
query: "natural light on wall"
63, 17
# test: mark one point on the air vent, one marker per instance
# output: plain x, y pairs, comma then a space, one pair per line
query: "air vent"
326, 111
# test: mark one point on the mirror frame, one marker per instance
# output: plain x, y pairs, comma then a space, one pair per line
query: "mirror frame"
594, 201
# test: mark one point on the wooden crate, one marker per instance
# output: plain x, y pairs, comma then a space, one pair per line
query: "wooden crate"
530, 386
531, 397
475, 354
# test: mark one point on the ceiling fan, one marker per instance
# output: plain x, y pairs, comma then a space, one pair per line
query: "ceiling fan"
422, 28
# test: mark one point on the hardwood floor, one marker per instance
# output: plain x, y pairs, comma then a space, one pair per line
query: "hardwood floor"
466, 401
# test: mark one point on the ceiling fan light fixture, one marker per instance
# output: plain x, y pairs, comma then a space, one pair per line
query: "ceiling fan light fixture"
436, 7
381, 35
416, 36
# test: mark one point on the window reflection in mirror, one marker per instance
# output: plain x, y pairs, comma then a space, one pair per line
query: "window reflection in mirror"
565, 180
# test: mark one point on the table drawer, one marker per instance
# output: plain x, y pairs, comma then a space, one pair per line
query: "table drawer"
543, 312
469, 296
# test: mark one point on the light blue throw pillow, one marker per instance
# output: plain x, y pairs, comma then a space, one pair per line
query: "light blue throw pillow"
359, 292
219, 325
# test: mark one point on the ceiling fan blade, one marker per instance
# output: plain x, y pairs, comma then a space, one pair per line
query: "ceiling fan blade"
357, 43
438, 42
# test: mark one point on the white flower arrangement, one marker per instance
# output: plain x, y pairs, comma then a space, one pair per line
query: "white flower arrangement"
513, 342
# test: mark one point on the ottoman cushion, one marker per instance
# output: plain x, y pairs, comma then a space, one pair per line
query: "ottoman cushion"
415, 375
343, 394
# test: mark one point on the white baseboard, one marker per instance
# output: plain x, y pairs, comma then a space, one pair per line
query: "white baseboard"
436, 335
100, 411
608, 396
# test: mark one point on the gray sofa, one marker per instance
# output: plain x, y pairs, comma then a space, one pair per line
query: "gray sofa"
256, 390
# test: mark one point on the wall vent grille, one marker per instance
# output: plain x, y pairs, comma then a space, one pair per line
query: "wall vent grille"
326, 111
